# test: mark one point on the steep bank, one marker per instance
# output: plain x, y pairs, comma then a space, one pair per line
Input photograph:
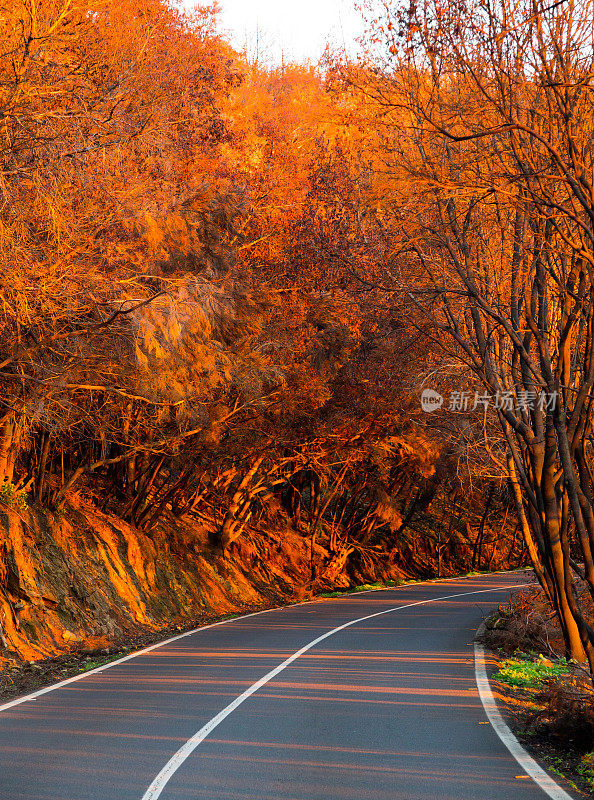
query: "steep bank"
86, 580
89, 577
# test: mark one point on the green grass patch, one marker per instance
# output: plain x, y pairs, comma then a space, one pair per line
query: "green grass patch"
364, 587
586, 769
530, 673
102, 661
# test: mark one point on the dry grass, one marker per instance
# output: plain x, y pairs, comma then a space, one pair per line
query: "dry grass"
568, 713
527, 625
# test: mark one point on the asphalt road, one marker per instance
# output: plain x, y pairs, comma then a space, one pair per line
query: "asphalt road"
384, 709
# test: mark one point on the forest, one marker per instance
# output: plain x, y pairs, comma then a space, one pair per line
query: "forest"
230, 290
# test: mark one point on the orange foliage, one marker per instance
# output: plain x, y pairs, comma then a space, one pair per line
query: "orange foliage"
203, 308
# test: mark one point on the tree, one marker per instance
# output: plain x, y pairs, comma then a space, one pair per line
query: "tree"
103, 106
492, 122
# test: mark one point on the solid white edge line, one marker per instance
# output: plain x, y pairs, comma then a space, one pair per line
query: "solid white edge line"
184, 752
524, 759
46, 689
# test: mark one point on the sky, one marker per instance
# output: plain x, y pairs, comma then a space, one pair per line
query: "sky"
296, 30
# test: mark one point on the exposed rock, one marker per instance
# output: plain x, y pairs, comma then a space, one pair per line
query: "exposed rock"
86, 578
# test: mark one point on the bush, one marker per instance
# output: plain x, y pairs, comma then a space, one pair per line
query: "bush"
586, 769
569, 714
527, 624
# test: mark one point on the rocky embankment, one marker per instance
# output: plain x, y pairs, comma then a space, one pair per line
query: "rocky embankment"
86, 578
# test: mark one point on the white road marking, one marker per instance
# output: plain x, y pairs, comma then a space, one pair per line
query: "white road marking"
155, 789
98, 670
32, 695
524, 759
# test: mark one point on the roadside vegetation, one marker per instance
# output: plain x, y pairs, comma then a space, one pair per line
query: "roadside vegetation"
530, 672
548, 701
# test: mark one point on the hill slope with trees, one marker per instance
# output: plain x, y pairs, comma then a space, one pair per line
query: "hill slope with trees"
224, 287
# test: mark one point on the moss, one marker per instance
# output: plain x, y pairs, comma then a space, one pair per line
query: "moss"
30, 631
65, 615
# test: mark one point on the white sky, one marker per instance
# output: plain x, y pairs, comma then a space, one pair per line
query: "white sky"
295, 29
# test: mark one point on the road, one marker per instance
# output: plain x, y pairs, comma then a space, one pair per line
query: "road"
383, 709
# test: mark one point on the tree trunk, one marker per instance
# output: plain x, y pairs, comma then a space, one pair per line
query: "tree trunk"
225, 536
43, 456
478, 544
7, 456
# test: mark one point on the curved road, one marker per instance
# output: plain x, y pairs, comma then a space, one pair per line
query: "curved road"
383, 709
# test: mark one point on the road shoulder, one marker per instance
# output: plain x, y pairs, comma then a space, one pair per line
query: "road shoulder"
513, 711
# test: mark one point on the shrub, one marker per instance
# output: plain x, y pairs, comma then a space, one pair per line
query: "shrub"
569, 714
586, 768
